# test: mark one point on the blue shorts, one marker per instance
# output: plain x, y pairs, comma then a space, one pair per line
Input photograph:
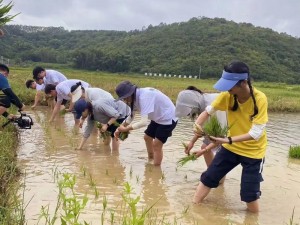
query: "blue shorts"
159, 131
224, 162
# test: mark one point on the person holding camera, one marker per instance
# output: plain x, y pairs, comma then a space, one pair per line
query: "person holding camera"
9, 96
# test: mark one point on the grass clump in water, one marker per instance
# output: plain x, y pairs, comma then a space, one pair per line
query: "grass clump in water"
294, 152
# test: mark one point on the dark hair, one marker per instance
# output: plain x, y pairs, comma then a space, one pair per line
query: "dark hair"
241, 67
49, 88
29, 83
4, 67
36, 71
193, 88
89, 107
75, 86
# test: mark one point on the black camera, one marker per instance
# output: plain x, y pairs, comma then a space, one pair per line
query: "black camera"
24, 121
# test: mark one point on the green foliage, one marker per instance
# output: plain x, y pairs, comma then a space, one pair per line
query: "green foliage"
4, 9
213, 128
11, 207
294, 152
201, 44
71, 204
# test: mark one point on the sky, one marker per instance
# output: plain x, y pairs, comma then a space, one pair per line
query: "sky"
125, 15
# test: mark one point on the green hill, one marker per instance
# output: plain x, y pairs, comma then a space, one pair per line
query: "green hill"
179, 48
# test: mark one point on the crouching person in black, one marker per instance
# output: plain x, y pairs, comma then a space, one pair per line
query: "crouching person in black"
8, 96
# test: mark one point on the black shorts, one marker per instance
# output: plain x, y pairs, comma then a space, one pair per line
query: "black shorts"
112, 128
159, 131
64, 101
5, 101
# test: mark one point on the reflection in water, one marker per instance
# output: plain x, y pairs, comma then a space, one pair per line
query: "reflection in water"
45, 149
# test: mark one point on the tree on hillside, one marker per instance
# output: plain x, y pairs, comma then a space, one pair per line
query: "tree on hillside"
4, 18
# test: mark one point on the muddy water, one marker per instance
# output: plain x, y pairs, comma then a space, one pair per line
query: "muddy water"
46, 149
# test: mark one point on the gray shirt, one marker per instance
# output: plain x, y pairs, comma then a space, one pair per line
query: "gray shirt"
104, 110
93, 94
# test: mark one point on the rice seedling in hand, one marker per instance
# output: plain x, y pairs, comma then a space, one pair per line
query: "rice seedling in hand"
104, 135
213, 128
184, 145
181, 162
184, 160
198, 129
122, 135
62, 112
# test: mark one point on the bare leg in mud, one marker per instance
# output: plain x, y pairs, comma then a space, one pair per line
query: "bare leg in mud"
149, 146
115, 144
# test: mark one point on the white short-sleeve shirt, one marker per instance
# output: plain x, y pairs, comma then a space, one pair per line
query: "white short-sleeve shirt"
156, 105
93, 94
53, 77
40, 87
63, 89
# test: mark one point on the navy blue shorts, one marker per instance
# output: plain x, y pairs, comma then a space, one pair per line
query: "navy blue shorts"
112, 128
224, 162
5, 101
159, 131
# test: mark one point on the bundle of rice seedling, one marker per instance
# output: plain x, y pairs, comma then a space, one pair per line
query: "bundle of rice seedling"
122, 135
62, 112
104, 134
213, 128
184, 160
198, 129
187, 158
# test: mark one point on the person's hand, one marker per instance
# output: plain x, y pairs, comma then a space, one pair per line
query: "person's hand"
103, 128
198, 131
22, 108
200, 152
218, 140
117, 133
80, 124
189, 148
122, 128
67, 110
11, 117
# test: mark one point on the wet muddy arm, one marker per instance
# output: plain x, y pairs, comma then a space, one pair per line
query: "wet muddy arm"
37, 98
55, 111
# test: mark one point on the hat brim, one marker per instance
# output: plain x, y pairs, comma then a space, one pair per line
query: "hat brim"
76, 95
182, 110
128, 94
225, 85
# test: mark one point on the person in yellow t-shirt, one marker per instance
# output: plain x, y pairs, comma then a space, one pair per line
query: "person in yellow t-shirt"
246, 142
